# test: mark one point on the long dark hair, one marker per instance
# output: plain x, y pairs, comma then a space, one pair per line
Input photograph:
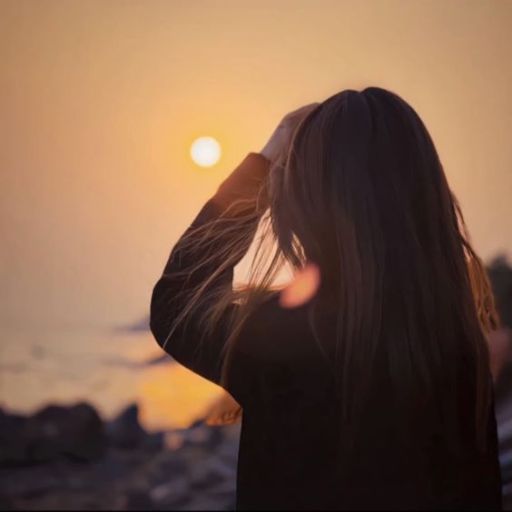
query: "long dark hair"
362, 194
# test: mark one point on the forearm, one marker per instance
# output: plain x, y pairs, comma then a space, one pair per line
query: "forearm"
241, 198
203, 259
245, 185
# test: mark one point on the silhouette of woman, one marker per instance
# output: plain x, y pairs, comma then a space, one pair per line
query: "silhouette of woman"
365, 383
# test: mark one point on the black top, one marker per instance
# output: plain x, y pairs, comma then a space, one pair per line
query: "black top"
289, 457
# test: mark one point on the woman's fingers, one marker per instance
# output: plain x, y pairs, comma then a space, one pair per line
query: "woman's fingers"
282, 135
302, 111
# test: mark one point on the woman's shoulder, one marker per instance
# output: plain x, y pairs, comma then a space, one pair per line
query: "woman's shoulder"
271, 312
272, 330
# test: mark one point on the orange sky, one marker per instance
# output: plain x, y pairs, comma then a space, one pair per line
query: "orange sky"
99, 102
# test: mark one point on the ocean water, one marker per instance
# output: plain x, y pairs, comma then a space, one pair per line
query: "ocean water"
109, 369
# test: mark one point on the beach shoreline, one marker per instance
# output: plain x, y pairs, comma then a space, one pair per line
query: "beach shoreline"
69, 457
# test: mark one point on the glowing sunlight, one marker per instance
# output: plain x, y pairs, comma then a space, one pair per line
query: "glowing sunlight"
205, 151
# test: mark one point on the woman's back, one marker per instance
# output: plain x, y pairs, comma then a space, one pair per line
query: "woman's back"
373, 390
290, 451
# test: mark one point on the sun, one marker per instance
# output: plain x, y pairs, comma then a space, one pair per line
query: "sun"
205, 151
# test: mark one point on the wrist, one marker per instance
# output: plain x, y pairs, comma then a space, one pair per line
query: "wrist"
244, 183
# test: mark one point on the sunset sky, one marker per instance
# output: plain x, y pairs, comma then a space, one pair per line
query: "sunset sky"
101, 100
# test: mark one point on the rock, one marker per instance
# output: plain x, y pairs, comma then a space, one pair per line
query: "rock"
232, 432
125, 431
210, 473
172, 494
139, 471
227, 452
174, 440
199, 433
53, 432
13, 445
166, 467
206, 503
31, 483
224, 492
197, 423
76, 432
138, 500
7, 503
154, 442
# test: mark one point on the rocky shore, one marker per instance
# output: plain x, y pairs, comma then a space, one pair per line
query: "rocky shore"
68, 458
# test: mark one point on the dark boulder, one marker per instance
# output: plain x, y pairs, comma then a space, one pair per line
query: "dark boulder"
54, 432
7, 504
13, 445
209, 437
125, 431
75, 432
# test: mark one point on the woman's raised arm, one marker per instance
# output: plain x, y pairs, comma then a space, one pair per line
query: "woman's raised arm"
239, 199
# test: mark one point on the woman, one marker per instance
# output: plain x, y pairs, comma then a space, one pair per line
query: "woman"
367, 384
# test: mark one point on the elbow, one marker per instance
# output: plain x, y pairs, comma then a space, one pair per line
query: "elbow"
157, 333
158, 321
164, 312
156, 329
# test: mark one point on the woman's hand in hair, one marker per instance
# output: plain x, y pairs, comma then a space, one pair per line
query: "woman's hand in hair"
244, 190
278, 143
